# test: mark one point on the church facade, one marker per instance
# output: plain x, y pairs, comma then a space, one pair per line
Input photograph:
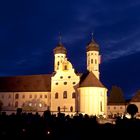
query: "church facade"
64, 90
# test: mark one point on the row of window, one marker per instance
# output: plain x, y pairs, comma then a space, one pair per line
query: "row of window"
91, 54
29, 104
65, 109
65, 83
116, 107
92, 61
23, 96
30, 96
65, 95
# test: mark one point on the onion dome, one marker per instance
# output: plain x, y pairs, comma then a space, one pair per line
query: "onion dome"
60, 48
92, 46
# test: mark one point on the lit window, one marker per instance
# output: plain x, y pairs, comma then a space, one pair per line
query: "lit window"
73, 95
65, 83
65, 94
30, 104
56, 95
40, 105
16, 96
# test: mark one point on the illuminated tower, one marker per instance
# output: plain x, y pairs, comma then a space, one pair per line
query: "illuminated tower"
92, 93
93, 57
59, 55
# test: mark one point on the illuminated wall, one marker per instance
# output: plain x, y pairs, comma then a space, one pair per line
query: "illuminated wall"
93, 100
63, 88
40, 100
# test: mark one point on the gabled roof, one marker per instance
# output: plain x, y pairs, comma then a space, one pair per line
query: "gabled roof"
90, 80
31, 83
136, 98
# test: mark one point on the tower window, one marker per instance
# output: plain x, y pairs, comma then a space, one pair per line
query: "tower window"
56, 95
56, 83
95, 61
69, 76
65, 94
91, 61
58, 63
61, 77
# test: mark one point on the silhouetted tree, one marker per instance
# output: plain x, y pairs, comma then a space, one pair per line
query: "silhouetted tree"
132, 109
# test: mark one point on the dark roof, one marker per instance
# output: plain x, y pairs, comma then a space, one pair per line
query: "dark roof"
92, 46
60, 49
31, 83
116, 96
136, 98
89, 80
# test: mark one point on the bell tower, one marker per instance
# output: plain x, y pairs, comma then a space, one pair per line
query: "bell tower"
93, 57
59, 55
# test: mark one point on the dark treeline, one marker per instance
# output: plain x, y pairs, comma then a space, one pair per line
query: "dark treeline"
49, 126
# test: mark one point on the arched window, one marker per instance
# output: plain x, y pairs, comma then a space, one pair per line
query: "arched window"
65, 94
73, 95
16, 96
16, 104
65, 67
56, 95
58, 63
101, 108
95, 61
91, 61
58, 108
71, 109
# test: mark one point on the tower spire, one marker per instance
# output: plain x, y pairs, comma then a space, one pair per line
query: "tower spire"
92, 37
60, 38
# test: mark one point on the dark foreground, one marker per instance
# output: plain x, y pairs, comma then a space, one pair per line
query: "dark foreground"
28, 126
